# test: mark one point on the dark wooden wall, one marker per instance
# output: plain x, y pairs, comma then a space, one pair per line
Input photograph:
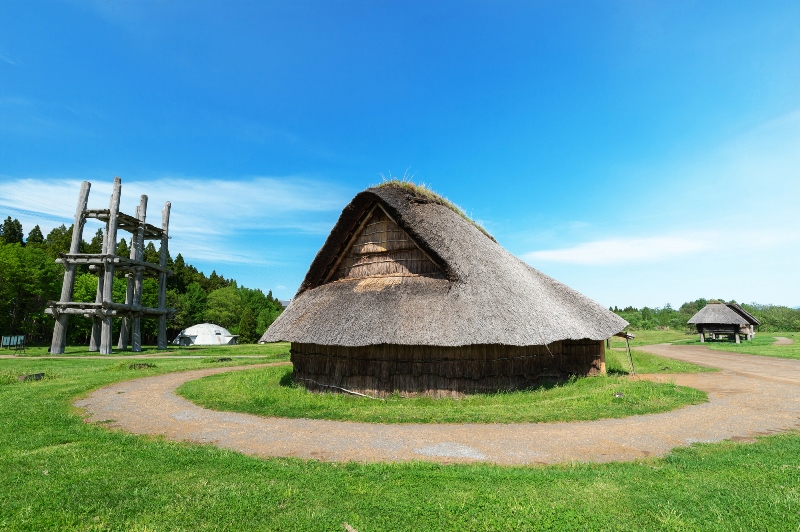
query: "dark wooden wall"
443, 371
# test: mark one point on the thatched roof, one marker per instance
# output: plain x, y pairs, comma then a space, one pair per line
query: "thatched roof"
723, 314
470, 291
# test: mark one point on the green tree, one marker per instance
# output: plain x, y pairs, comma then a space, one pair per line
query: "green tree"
58, 240
85, 288
247, 327
35, 236
96, 244
12, 231
224, 307
265, 319
151, 253
28, 279
122, 249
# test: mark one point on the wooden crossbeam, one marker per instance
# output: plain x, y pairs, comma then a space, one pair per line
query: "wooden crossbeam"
128, 223
76, 307
120, 263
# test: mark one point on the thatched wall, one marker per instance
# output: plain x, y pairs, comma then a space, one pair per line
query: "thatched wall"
382, 248
442, 371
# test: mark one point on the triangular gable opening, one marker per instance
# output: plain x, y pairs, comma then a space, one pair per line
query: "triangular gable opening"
382, 249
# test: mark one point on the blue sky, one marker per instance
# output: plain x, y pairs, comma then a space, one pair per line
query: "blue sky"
643, 153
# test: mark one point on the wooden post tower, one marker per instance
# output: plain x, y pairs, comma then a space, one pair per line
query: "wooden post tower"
104, 309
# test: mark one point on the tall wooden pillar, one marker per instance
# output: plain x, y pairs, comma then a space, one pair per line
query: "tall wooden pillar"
125, 323
108, 284
97, 322
162, 276
137, 251
60, 328
136, 336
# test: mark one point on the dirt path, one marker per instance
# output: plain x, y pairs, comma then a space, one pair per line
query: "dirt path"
753, 395
782, 340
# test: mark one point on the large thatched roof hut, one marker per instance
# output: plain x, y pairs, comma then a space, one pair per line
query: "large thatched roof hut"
409, 295
724, 319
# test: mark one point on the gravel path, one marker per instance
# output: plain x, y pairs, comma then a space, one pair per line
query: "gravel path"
782, 340
753, 395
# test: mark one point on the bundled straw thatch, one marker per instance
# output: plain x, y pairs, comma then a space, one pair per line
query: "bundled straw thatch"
405, 276
719, 318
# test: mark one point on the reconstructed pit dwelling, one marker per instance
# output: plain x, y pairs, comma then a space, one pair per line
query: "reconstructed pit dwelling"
408, 295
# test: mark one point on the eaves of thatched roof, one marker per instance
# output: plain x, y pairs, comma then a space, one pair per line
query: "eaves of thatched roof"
485, 295
723, 314
743, 313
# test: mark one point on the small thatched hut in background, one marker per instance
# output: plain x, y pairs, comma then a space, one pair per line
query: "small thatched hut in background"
409, 295
729, 319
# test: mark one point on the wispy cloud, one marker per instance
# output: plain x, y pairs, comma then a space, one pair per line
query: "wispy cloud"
209, 217
5, 59
622, 250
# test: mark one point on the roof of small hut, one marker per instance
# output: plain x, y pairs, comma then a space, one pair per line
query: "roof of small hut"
743, 313
724, 314
487, 295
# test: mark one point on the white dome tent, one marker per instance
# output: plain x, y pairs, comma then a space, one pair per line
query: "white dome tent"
206, 334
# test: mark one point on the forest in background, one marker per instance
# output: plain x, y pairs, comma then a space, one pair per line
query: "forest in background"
30, 277
772, 317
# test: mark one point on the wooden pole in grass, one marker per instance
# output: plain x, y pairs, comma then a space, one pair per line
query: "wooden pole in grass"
162, 276
136, 332
630, 358
60, 327
108, 285
97, 322
125, 326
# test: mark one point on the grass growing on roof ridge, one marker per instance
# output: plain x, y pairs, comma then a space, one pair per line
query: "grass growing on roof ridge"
422, 191
62, 474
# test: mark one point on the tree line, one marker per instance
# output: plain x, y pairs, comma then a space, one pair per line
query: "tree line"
772, 317
30, 277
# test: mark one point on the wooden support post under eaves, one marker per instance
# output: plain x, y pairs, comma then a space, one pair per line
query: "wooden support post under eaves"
60, 328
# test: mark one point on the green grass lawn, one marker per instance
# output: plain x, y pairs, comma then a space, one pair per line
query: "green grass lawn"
653, 337
760, 345
59, 473
269, 392
617, 363
172, 350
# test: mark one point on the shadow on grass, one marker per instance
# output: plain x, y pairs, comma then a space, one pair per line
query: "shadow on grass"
287, 380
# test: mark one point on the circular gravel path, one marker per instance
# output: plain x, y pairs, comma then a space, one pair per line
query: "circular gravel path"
751, 396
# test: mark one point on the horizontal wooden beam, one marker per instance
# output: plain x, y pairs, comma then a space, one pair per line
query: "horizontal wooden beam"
127, 223
120, 263
110, 312
82, 307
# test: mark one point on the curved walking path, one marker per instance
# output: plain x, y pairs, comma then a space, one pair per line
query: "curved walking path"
782, 340
753, 395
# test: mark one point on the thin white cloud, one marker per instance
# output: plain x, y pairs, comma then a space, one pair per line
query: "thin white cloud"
5, 59
208, 216
622, 250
